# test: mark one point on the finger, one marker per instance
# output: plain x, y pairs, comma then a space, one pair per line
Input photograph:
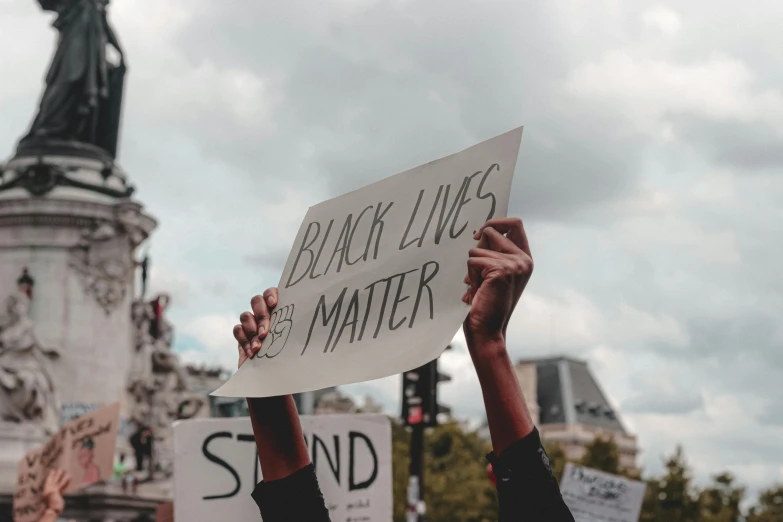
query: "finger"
261, 313
239, 335
500, 243
249, 325
475, 278
513, 228
66, 483
271, 297
478, 266
485, 252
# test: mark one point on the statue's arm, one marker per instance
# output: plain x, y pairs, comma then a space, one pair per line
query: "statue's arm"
111, 38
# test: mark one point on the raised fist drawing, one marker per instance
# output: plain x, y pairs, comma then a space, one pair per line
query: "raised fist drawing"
280, 328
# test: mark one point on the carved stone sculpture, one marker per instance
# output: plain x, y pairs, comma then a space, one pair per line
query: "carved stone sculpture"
27, 391
104, 264
157, 381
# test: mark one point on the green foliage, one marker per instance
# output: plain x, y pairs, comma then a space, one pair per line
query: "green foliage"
721, 501
456, 485
457, 488
769, 507
602, 454
671, 498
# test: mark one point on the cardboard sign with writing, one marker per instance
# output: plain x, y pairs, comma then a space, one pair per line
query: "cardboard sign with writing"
373, 285
595, 496
84, 447
216, 467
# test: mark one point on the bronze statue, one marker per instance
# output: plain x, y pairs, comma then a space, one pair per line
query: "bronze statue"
79, 112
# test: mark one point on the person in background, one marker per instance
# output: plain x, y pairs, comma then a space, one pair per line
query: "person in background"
123, 475
57, 481
499, 268
141, 441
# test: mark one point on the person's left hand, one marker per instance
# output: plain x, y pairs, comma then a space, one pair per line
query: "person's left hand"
54, 487
254, 325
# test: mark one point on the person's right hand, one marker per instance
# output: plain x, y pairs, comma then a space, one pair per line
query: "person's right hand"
54, 487
499, 268
254, 326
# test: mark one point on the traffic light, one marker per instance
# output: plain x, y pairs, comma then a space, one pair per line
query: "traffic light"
420, 395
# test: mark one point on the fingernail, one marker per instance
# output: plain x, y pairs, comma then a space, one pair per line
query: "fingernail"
261, 330
246, 347
255, 345
271, 301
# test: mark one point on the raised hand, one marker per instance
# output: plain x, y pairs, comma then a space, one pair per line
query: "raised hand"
57, 481
498, 271
254, 326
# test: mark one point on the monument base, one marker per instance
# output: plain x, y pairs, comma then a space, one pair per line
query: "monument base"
16, 440
103, 502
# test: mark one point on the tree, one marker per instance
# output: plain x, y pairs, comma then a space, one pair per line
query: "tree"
603, 455
671, 498
769, 507
721, 501
401, 441
456, 485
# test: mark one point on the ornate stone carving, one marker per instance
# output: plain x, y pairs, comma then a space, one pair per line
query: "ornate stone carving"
42, 177
102, 259
157, 380
27, 392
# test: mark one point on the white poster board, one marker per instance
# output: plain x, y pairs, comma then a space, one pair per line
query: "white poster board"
373, 285
595, 496
216, 467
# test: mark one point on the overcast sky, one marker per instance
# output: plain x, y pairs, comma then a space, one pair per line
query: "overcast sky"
650, 177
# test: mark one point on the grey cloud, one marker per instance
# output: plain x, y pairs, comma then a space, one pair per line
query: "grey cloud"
750, 148
395, 85
652, 401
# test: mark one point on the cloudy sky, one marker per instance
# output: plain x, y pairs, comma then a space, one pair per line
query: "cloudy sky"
650, 177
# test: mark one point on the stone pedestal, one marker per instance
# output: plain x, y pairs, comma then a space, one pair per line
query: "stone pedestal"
15, 440
72, 224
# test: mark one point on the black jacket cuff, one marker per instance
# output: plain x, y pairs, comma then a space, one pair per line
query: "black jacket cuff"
293, 498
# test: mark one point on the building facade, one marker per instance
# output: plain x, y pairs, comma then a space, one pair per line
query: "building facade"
571, 410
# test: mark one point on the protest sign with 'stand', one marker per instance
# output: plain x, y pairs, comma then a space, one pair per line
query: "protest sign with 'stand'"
373, 285
216, 467
84, 448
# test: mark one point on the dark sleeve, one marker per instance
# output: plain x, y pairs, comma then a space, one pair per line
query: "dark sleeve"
527, 490
296, 498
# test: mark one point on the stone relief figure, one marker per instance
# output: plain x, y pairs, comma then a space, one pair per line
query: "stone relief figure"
27, 391
103, 262
82, 100
157, 381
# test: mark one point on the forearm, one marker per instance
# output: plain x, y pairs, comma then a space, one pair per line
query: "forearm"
281, 446
507, 415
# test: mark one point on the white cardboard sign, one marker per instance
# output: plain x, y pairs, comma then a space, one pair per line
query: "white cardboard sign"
373, 285
216, 467
595, 496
